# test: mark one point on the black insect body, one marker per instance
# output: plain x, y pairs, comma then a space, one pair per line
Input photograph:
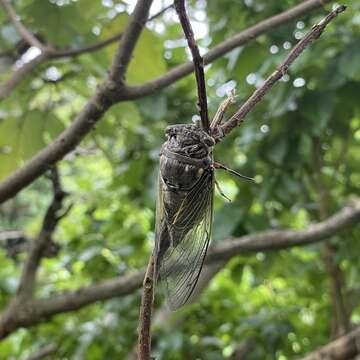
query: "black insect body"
184, 210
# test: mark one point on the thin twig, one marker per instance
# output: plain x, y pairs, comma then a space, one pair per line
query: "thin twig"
147, 300
60, 53
160, 12
198, 64
24, 33
281, 70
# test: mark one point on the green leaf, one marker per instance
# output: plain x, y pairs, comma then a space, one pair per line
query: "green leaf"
277, 150
317, 108
147, 61
20, 139
349, 62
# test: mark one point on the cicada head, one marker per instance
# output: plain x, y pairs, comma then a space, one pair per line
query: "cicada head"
185, 156
189, 140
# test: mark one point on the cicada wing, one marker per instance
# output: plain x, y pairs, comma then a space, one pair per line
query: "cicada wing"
161, 224
182, 262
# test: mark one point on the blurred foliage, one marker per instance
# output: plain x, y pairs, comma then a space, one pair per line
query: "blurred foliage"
280, 298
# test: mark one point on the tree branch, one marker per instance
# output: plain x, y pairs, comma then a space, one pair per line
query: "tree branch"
198, 63
106, 96
72, 52
243, 37
283, 239
345, 347
38, 246
147, 300
281, 70
24, 33
60, 53
35, 311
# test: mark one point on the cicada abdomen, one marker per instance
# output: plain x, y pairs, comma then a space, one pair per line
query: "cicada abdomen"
184, 210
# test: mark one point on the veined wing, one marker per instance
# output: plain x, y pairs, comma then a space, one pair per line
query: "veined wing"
190, 230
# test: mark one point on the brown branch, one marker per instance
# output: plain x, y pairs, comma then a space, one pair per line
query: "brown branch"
243, 37
38, 246
35, 311
198, 62
281, 70
345, 347
147, 300
24, 33
105, 97
60, 53
283, 239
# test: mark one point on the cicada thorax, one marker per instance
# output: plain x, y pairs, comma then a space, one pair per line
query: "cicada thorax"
185, 163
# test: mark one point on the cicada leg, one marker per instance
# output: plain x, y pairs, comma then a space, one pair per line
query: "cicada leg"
218, 188
217, 165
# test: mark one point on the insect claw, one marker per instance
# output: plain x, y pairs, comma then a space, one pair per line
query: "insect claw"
220, 191
217, 165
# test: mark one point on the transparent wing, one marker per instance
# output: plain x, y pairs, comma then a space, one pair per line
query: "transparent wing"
188, 235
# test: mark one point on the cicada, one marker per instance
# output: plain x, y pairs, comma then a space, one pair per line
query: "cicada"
184, 210
184, 207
